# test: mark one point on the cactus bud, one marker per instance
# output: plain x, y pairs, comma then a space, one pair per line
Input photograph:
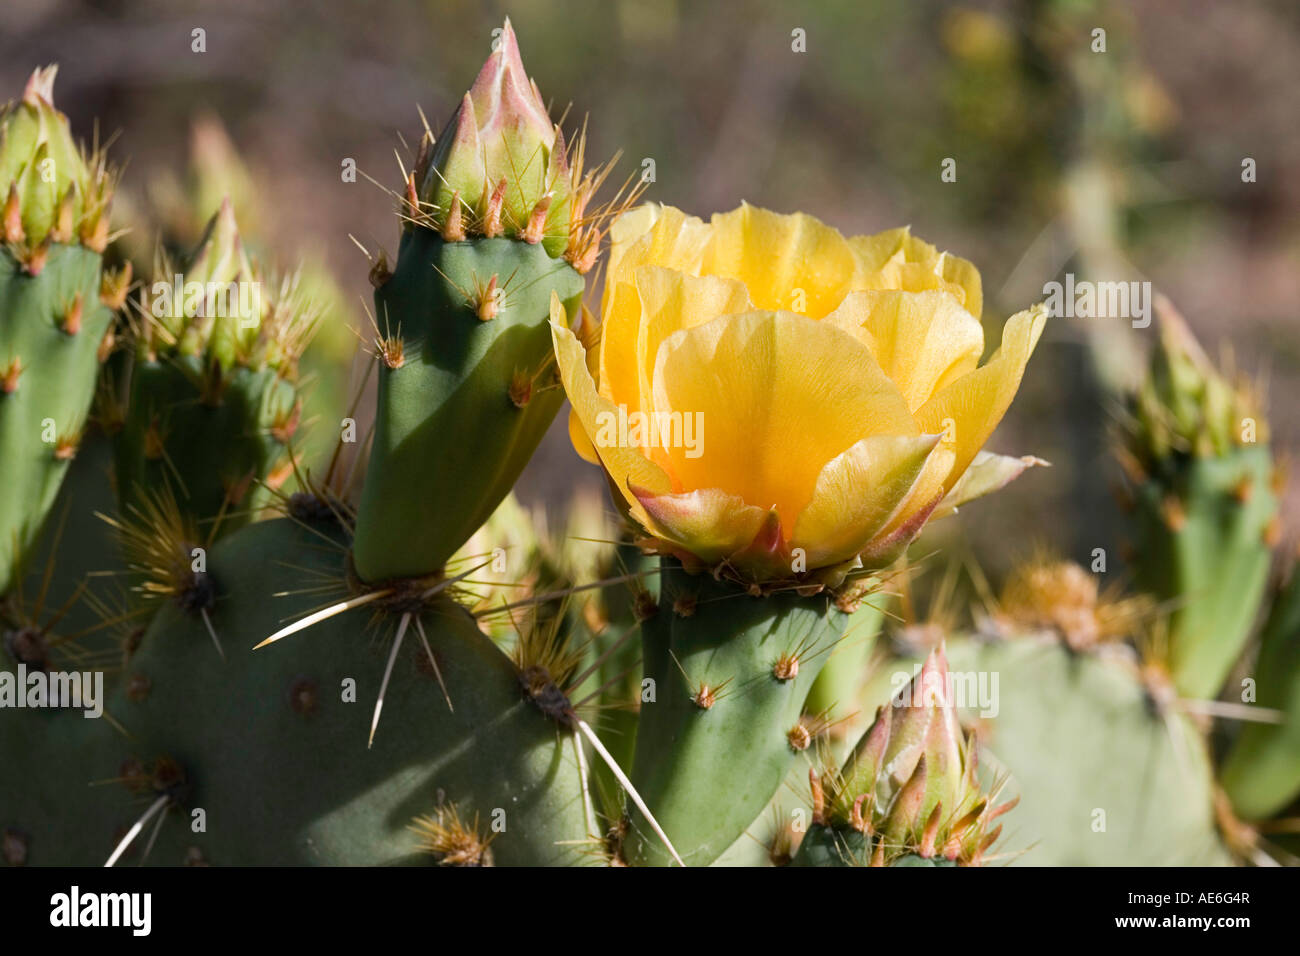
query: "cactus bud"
502, 134
908, 788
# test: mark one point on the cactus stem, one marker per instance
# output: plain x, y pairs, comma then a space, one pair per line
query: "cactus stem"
626, 784
388, 673
126, 841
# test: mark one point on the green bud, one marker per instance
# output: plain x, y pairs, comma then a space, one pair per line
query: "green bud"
501, 133
50, 189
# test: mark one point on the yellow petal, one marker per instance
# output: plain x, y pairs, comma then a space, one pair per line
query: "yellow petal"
873, 252
581, 443
780, 395
922, 340
959, 271
857, 494
917, 507
986, 474
950, 268
653, 235
912, 277
624, 464
973, 405
896, 259
672, 301
709, 523
775, 254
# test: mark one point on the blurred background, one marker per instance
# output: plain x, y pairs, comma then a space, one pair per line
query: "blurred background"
1115, 165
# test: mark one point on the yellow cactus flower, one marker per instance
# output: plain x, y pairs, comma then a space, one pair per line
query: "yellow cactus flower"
778, 403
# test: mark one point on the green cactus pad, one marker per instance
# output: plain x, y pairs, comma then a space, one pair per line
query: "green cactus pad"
1262, 772
42, 417
213, 452
707, 772
1078, 734
214, 399
50, 804
450, 437
1201, 541
296, 784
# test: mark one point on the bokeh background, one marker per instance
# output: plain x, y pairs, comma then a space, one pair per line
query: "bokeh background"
1117, 165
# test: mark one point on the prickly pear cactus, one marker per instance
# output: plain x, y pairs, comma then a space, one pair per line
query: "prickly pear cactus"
55, 306
493, 228
465, 728
1205, 513
908, 794
214, 401
730, 673
1110, 768
1261, 773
